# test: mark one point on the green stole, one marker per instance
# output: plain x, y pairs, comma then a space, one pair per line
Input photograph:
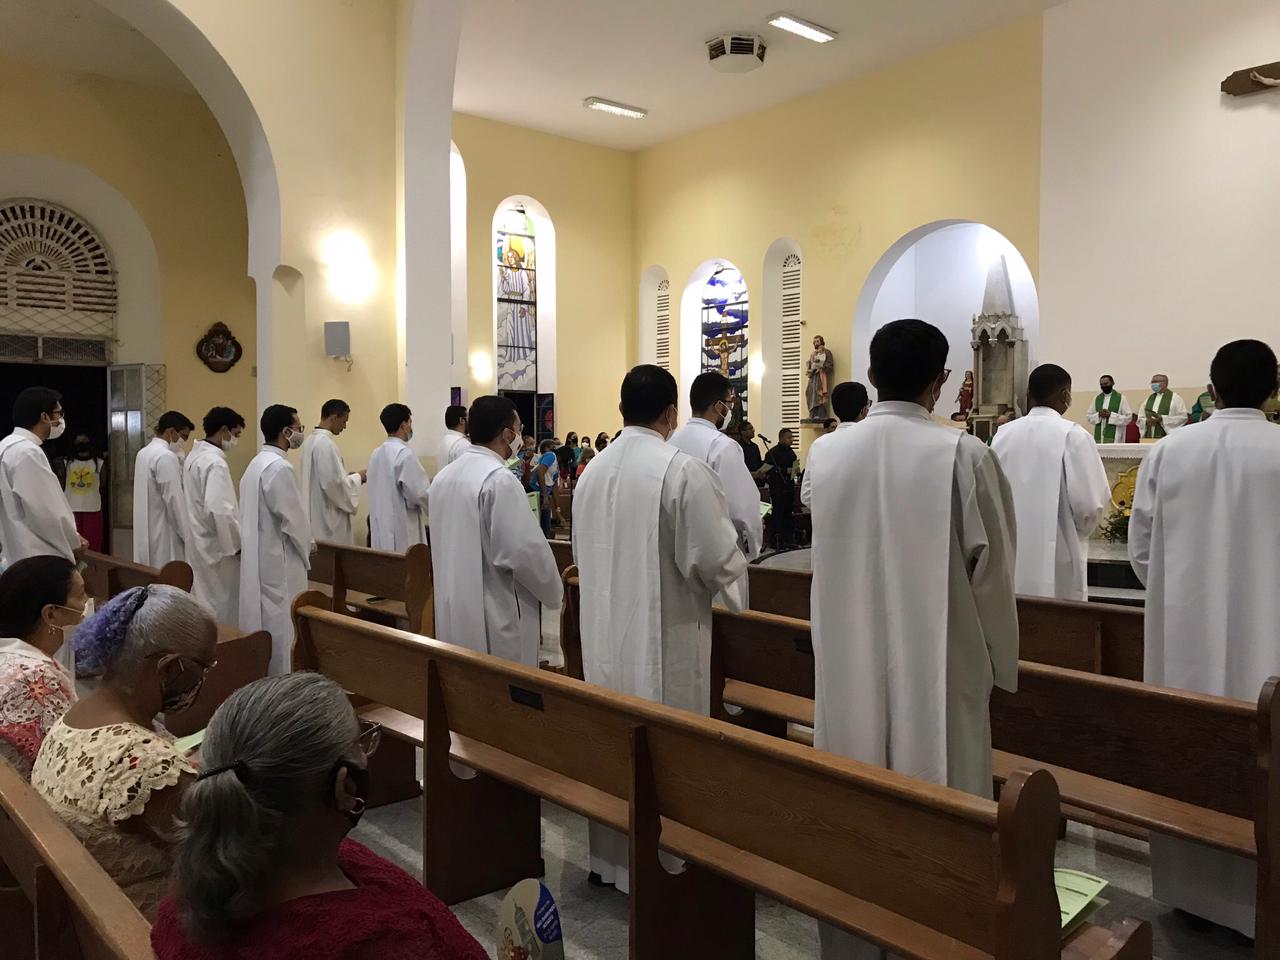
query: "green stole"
1104, 431
1156, 430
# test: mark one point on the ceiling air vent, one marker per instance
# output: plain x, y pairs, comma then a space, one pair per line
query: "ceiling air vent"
736, 52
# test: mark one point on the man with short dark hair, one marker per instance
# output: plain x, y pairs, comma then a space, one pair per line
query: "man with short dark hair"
500, 570
454, 441
850, 403
782, 489
213, 516
913, 602
1109, 413
1202, 538
330, 494
1060, 489
159, 505
653, 543
277, 538
35, 519
711, 399
398, 486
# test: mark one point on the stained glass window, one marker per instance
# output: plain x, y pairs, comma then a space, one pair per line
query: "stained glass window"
724, 329
517, 296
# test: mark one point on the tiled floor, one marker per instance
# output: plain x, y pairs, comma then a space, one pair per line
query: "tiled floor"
594, 919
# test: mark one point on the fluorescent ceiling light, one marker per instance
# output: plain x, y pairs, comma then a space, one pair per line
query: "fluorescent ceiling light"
802, 28
617, 109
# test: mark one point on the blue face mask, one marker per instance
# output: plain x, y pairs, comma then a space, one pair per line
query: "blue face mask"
1155, 387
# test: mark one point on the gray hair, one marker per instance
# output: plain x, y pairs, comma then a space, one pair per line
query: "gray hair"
268, 755
145, 622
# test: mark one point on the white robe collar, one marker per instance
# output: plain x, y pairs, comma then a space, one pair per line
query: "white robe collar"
900, 408
25, 434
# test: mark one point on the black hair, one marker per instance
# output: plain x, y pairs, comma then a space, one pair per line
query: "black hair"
220, 417
31, 403
906, 357
454, 414
1107, 376
787, 431
173, 420
1046, 381
393, 416
1244, 374
830, 422
274, 419
647, 392
707, 389
27, 587
848, 399
488, 417
334, 408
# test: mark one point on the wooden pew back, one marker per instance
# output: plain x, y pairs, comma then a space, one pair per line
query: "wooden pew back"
78, 910
917, 867
106, 576
403, 578
562, 550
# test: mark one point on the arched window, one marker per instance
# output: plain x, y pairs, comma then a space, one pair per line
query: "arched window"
724, 328
662, 340
655, 317
57, 286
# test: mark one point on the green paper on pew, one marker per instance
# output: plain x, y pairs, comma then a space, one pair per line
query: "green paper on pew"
1077, 894
189, 743
765, 509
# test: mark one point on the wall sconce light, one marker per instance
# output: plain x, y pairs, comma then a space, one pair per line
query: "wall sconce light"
755, 369
349, 267
481, 366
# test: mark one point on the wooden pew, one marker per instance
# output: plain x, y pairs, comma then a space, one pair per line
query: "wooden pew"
56, 902
1127, 755
570, 635
401, 583
921, 870
563, 551
106, 576
242, 658
1100, 638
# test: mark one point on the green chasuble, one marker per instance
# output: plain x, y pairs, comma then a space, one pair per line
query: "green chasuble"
1104, 431
1160, 400
1204, 405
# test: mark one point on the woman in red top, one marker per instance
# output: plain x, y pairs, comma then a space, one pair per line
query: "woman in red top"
263, 867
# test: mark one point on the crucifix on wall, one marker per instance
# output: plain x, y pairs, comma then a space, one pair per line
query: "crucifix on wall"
1252, 80
724, 345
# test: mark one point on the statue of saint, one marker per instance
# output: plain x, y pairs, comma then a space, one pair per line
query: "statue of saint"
964, 398
817, 392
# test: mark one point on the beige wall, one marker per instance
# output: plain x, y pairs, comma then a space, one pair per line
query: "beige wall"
848, 171
165, 154
587, 192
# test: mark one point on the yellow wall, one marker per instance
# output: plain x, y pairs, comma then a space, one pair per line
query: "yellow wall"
165, 153
848, 171
587, 192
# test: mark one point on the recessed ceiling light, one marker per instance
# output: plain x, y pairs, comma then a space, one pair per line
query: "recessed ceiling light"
802, 28
617, 109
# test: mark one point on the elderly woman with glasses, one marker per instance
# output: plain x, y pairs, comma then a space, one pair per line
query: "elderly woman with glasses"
104, 768
264, 867
40, 598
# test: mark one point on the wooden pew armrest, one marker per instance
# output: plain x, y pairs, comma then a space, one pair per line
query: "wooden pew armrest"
1156, 813
773, 702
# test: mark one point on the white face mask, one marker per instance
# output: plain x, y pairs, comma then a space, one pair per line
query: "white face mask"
230, 442
728, 417
57, 428
516, 444
176, 446
294, 438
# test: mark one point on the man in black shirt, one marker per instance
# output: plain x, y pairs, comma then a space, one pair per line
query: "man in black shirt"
782, 490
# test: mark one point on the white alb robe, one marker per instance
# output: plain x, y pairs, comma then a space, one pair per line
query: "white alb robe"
806, 482
497, 570
914, 615
1175, 418
1203, 539
1120, 418
1060, 494
452, 445
702, 440
330, 495
277, 551
648, 574
213, 531
35, 519
159, 506
398, 494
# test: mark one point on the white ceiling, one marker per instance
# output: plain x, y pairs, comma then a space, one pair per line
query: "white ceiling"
83, 36
532, 62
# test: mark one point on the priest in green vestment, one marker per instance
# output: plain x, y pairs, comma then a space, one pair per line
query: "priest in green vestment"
1163, 410
1109, 413
1203, 408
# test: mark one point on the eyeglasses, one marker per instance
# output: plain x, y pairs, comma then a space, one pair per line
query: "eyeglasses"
369, 737
946, 374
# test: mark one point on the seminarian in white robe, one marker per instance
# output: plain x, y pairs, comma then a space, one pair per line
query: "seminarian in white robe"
1060, 494
398, 496
330, 495
914, 616
816, 447
498, 570
159, 506
35, 519
213, 526
648, 574
1203, 538
277, 551
704, 441
452, 445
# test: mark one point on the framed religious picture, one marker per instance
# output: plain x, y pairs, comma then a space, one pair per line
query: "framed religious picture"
218, 349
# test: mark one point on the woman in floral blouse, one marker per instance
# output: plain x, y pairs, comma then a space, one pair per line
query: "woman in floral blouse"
39, 598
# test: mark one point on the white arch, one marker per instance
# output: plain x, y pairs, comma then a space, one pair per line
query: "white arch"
769, 418
895, 277
122, 229
544, 231
647, 313
691, 326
